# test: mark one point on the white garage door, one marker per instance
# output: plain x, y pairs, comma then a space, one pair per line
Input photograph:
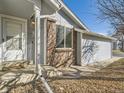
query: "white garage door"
95, 50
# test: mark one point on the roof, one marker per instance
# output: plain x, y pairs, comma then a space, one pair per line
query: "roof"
57, 3
94, 34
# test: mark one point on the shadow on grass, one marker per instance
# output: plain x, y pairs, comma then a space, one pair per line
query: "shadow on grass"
113, 72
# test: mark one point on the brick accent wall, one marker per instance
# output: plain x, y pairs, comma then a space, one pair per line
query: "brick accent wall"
63, 57
51, 41
57, 57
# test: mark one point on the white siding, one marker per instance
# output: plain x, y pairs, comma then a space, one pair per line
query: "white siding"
36, 2
60, 17
46, 9
95, 50
63, 19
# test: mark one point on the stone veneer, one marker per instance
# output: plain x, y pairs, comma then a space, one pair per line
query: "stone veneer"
63, 57
51, 41
57, 57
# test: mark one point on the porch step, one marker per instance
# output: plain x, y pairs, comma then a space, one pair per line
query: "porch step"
51, 72
19, 77
7, 65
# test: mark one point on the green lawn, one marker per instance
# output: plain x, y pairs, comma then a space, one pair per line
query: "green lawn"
118, 52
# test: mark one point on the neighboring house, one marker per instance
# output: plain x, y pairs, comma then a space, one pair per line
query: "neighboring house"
118, 44
47, 32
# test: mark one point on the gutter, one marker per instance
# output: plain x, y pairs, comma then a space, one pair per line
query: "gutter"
94, 34
39, 69
73, 15
69, 12
41, 77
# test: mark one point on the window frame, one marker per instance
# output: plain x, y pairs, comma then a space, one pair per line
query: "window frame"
71, 29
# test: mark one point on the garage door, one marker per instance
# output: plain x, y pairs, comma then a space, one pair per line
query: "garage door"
95, 50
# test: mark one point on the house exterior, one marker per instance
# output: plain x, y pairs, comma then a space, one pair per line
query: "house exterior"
118, 44
95, 48
47, 32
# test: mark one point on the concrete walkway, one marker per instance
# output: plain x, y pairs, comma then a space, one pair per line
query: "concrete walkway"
81, 71
105, 62
77, 71
15, 74
23, 73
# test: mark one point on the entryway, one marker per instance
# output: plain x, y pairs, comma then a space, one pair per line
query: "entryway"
14, 28
13, 39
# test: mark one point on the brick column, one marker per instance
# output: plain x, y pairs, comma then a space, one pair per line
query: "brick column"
51, 41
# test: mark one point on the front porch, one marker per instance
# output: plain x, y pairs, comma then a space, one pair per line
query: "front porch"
20, 77
19, 31
17, 74
26, 34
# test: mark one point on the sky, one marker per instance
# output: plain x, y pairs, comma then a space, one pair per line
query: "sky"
88, 13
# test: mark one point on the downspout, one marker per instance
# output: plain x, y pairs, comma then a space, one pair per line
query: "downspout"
39, 69
49, 16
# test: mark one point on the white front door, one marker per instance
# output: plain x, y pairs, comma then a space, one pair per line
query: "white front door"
14, 40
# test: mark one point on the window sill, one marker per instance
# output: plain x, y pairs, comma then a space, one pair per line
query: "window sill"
64, 49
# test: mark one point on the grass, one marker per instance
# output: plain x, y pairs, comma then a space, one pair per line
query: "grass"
94, 85
118, 52
84, 85
114, 70
119, 62
87, 86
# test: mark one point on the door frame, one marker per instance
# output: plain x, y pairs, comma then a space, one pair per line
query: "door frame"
24, 21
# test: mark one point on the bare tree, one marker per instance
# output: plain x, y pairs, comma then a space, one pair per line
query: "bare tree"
113, 10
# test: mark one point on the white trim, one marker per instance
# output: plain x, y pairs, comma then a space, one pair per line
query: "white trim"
45, 41
69, 13
79, 30
71, 29
26, 40
73, 15
65, 25
64, 37
111, 49
94, 34
79, 48
37, 37
13, 17
0, 41
72, 38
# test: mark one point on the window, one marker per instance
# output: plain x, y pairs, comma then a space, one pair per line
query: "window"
60, 37
68, 38
63, 37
